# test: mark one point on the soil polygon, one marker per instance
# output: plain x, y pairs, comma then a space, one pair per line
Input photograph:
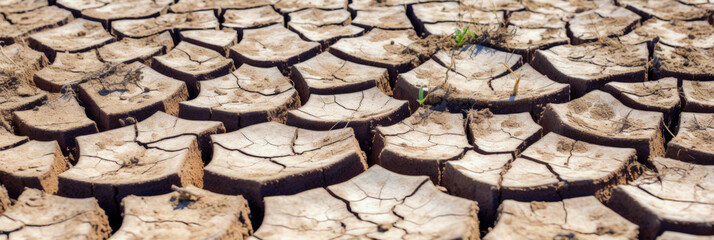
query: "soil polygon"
20, 6
600, 118
271, 159
694, 141
133, 92
698, 96
324, 26
77, 36
657, 96
38, 215
107, 11
391, 49
362, 111
288, 6
377, 204
684, 63
172, 22
676, 196
265, 47
698, 34
192, 63
9, 140
216, 40
187, 213
327, 74
421, 144
61, 119
68, 71
574, 218
590, 66
432, 16
143, 159
562, 8
132, 49
391, 18
197, 5
252, 18
665, 10
15, 27
502, 133
34, 164
17, 66
603, 22
247, 96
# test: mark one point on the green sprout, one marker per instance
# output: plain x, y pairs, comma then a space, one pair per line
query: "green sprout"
461, 35
421, 96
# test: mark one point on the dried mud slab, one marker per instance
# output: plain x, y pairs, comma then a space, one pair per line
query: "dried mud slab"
323, 26
478, 61
444, 17
575, 218
590, 66
377, 204
187, 213
600, 118
665, 10
5, 201
69, 70
684, 63
391, 49
107, 11
192, 63
132, 49
9, 140
698, 34
20, 6
38, 215
668, 235
421, 144
494, 5
197, 5
388, 18
17, 66
129, 93
144, 159
561, 8
362, 111
528, 32
172, 22
461, 92
61, 119
287, 6
552, 169
34, 164
15, 27
216, 40
603, 22
77, 36
695, 139
266, 47
252, 18
676, 196
698, 96
247, 96
270, 159
656, 96
327, 74
502, 133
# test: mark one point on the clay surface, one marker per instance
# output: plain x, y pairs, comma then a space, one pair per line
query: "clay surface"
660, 96
377, 204
216, 40
698, 96
15, 27
195, 5
391, 18
167, 22
324, 26
108, 11
252, 18
684, 63
506, 133
188, 213
665, 10
265, 47
697, 34
192, 63
675, 196
17, 66
247, 96
287, 6
695, 139
68, 71
5, 201
34, 164
36, 215
77, 36
131, 49
602, 22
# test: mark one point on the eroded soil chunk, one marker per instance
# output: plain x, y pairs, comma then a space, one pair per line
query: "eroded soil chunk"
37, 215
603, 22
658, 96
665, 10
68, 71
77, 36
377, 204
132, 49
266, 47
502, 133
323, 26
108, 11
695, 139
251, 18
34, 164
675, 196
216, 40
172, 22
192, 63
698, 96
15, 27
600, 118
188, 213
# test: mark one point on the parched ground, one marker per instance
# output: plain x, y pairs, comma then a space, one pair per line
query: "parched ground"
357, 119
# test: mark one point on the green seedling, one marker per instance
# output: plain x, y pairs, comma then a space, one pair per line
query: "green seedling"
422, 98
515, 86
461, 35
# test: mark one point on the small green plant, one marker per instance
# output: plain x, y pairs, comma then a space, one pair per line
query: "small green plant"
461, 35
421, 96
